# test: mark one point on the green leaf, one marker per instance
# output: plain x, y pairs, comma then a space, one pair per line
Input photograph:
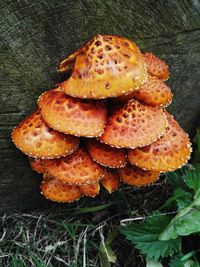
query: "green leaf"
145, 237
153, 263
184, 223
192, 178
176, 262
181, 197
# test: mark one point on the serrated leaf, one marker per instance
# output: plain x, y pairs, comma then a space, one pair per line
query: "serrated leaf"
145, 237
192, 178
184, 223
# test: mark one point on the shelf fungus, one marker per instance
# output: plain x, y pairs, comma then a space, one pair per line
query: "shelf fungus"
105, 125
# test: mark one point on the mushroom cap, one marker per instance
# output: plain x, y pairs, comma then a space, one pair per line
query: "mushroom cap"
156, 66
80, 117
135, 176
55, 190
110, 180
36, 139
134, 125
37, 164
77, 168
90, 190
106, 155
154, 92
68, 63
168, 153
107, 66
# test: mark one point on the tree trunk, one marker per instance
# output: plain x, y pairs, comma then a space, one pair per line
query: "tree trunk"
36, 35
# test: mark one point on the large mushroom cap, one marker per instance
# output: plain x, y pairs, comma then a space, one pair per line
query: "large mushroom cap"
37, 164
168, 153
107, 66
34, 138
110, 180
134, 125
156, 66
135, 176
77, 168
55, 190
90, 190
70, 115
106, 155
154, 92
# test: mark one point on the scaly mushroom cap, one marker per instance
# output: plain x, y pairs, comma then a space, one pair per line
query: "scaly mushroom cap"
168, 153
106, 155
107, 66
90, 190
34, 138
77, 168
154, 92
73, 116
135, 176
110, 181
156, 66
55, 190
134, 125
37, 165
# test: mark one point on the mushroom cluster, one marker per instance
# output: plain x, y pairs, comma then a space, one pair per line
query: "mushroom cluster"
105, 124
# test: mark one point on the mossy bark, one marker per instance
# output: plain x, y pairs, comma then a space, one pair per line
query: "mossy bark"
36, 35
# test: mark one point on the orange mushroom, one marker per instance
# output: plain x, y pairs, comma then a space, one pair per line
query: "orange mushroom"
106, 155
110, 181
134, 125
156, 66
135, 176
34, 138
55, 190
77, 168
37, 165
71, 115
90, 190
107, 66
168, 153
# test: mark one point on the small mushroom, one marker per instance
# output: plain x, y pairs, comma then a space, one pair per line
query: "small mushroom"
134, 125
135, 176
156, 66
36, 139
110, 180
72, 115
55, 190
90, 190
106, 155
37, 164
77, 168
168, 153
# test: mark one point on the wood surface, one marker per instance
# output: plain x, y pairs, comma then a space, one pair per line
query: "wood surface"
36, 35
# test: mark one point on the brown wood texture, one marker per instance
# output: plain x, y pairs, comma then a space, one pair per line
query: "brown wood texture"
36, 35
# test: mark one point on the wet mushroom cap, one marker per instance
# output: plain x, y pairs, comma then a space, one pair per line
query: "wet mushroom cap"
106, 155
156, 66
55, 190
79, 117
110, 180
37, 165
154, 92
134, 125
36, 139
135, 176
77, 168
90, 190
107, 66
168, 153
